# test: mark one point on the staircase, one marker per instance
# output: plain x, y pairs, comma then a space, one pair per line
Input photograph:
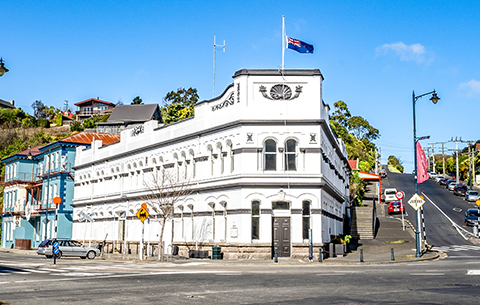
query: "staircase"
363, 223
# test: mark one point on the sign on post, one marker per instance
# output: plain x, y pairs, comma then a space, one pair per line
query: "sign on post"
399, 195
416, 202
142, 214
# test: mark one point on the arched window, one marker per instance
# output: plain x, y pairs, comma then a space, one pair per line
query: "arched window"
270, 155
306, 218
291, 155
255, 220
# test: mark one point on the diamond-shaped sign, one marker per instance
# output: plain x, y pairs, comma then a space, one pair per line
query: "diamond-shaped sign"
142, 214
416, 202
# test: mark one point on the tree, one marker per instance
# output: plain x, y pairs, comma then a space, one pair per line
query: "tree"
165, 190
137, 101
179, 105
361, 129
39, 110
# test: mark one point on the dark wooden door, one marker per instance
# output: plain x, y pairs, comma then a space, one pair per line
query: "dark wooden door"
281, 236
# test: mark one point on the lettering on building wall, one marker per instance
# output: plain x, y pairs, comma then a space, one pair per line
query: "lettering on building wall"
229, 101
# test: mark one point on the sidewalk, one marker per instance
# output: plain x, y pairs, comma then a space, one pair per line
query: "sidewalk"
375, 251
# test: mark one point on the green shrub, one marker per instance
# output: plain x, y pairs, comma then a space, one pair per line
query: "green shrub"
43, 123
76, 126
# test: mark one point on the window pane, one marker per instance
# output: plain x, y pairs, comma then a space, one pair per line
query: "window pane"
306, 208
280, 205
291, 146
256, 208
270, 146
290, 162
306, 227
255, 227
270, 162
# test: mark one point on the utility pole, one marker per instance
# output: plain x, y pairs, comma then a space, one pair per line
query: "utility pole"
433, 155
456, 140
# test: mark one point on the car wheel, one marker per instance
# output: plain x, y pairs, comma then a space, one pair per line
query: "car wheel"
91, 255
83, 257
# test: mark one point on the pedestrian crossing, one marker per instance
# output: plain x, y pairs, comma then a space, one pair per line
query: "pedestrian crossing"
67, 271
456, 248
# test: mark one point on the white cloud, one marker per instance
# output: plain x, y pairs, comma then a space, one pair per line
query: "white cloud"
415, 52
472, 87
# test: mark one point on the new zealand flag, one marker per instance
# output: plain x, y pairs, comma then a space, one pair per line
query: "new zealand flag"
299, 46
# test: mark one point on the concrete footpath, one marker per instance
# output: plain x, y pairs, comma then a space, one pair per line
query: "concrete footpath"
390, 235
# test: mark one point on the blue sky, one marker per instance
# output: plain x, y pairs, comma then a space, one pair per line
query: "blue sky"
373, 54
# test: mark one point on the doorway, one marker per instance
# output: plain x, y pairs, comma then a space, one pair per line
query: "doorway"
281, 236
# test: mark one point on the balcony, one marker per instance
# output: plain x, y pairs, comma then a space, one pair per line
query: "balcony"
90, 112
21, 177
55, 168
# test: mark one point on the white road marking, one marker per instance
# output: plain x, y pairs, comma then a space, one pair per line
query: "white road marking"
473, 272
427, 273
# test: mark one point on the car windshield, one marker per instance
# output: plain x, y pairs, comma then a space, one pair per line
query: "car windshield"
45, 242
472, 212
390, 192
462, 188
395, 203
473, 193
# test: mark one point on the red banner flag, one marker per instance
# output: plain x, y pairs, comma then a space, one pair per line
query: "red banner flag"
422, 164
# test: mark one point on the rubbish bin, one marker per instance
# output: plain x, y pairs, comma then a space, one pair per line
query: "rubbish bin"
216, 252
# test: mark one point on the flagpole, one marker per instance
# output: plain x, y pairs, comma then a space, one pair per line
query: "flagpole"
283, 41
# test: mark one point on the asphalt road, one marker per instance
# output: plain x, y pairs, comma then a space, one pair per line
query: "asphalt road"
441, 208
27, 279
33, 280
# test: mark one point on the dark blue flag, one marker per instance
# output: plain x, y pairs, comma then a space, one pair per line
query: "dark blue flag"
299, 46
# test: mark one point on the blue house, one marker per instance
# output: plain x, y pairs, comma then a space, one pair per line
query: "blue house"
38, 191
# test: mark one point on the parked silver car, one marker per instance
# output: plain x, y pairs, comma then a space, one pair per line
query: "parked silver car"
67, 247
472, 195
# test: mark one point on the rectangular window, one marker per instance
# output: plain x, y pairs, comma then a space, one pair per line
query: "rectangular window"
281, 205
306, 219
255, 220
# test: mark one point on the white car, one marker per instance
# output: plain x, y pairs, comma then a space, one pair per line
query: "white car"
438, 178
472, 195
433, 175
390, 194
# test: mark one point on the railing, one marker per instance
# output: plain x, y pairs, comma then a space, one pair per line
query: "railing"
21, 176
55, 168
90, 112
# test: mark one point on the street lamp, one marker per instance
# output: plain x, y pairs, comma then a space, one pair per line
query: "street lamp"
434, 99
3, 70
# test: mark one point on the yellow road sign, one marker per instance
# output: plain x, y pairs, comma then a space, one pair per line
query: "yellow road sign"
416, 201
142, 214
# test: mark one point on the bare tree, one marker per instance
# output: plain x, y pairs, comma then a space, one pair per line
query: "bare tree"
165, 190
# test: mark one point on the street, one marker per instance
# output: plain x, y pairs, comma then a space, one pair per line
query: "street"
455, 279
34, 280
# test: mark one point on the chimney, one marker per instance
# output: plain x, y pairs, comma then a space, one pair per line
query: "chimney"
12, 102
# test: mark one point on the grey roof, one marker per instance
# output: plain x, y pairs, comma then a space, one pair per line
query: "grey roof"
135, 113
5, 104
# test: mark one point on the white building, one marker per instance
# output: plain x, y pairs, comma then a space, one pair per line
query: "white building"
262, 161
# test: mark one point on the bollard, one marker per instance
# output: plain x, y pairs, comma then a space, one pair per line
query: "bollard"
320, 254
361, 255
393, 255
276, 255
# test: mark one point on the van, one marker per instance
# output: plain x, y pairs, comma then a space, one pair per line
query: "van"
390, 194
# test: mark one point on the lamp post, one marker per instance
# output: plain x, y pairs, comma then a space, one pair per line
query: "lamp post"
434, 99
3, 70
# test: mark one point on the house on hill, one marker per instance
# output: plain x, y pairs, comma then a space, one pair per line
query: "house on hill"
93, 107
5, 104
129, 116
